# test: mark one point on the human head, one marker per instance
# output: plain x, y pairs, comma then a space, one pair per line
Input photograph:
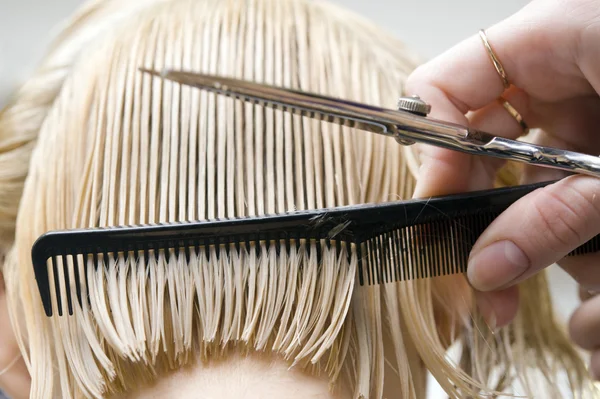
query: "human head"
108, 145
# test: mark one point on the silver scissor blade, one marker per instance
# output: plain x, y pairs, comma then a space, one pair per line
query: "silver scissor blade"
405, 127
311, 105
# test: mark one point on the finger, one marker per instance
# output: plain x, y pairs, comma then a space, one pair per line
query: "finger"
444, 172
595, 364
498, 308
568, 125
584, 325
535, 47
571, 124
535, 174
495, 118
535, 53
535, 232
585, 294
584, 270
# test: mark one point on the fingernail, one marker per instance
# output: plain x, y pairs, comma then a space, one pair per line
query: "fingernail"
487, 311
496, 265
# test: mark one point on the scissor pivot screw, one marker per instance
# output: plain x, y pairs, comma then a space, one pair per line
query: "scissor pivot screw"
414, 105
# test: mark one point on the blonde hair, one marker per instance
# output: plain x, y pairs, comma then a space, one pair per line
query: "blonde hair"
90, 141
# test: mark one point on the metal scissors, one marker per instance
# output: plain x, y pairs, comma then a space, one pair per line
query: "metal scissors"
408, 124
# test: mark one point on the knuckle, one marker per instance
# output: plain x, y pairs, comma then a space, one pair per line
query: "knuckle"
416, 79
584, 270
565, 215
586, 203
556, 223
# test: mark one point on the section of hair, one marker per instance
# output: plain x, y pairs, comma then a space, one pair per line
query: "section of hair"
127, 148
109, 145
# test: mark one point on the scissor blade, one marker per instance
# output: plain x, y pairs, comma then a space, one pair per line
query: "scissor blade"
311, 105
405, 127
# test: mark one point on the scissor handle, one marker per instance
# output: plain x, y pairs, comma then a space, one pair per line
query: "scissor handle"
459, 138
544, 156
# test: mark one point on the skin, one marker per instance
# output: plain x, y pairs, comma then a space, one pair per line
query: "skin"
254, 376
14, 377
550, 52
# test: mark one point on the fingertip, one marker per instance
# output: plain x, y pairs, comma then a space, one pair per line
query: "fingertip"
595, 364
496, 265
535, 232
498, 308
584, 324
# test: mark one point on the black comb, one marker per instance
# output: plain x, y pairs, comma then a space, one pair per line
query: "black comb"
393, 241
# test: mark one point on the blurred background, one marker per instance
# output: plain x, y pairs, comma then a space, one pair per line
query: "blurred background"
429, 27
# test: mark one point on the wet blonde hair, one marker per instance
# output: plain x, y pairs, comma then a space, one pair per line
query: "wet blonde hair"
90, 141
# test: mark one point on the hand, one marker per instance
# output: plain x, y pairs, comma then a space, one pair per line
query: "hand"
550, 51
14, 377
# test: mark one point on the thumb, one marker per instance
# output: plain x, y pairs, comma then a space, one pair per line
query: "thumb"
538, 230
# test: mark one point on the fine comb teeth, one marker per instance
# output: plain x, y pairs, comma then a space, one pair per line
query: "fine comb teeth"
393, 241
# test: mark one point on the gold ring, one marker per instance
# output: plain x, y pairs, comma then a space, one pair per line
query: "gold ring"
494, 58
514, 113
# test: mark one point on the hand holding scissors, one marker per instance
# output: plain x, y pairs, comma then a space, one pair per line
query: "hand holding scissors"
540, 65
